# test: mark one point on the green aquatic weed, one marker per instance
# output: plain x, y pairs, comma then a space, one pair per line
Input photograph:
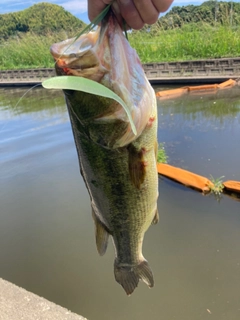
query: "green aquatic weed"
161, 155
217, 187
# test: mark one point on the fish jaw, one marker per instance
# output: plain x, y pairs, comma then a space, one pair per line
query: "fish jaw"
106, 56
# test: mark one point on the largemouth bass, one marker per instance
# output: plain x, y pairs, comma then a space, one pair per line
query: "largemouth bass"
118, 166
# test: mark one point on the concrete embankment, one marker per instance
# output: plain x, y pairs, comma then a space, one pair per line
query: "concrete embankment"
196, 71
17, 303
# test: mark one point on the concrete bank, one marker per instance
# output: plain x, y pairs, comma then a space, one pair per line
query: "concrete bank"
195, 71
182, 72
17, 303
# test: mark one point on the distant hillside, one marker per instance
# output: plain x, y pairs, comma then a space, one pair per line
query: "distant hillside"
211, 12
41, 18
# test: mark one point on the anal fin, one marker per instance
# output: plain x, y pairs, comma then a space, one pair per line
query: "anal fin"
156, 217
101, 235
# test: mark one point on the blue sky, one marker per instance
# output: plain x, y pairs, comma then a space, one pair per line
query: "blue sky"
76, 7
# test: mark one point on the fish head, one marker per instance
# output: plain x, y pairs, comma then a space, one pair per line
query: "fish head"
106, 56
78, 56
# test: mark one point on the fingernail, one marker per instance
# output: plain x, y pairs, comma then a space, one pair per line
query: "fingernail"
115, 8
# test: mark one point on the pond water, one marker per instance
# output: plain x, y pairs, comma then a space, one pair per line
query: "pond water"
47, 240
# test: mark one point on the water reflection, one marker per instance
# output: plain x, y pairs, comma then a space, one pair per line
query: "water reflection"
202, 132
31, 101
212, 107
46, 232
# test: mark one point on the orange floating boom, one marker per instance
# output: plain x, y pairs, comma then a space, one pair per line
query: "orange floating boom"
227, 84
232, 185
203, 87
193, 180
173, 93
187, 178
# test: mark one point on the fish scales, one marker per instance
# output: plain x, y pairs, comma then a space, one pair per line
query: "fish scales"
119, 169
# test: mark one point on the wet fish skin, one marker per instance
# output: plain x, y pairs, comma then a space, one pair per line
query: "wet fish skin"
120, 173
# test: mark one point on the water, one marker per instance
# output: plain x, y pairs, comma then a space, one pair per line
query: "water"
47, 240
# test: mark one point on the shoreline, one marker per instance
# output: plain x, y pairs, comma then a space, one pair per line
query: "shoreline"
18, 303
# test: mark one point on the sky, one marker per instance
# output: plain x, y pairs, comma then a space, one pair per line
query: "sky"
76, 7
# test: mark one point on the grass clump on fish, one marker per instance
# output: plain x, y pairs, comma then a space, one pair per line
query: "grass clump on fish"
118, 165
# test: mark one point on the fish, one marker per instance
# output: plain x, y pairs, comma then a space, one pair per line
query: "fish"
118, 166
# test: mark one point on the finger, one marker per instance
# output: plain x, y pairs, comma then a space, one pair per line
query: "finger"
130, 14
117, 12
95, 7
147, 11
161, 5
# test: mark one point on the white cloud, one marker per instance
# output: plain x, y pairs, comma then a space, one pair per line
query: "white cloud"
177, 2
72, 4
16, 2
75, 6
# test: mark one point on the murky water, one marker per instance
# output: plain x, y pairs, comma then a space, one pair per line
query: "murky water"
47, 240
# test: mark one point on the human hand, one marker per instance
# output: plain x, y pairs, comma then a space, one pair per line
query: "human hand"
136, 13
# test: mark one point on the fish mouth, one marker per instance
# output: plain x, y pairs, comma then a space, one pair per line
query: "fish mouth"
71, 50
78, 56
82, 56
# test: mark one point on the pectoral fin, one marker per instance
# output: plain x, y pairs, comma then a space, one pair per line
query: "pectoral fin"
101, 235
137, 166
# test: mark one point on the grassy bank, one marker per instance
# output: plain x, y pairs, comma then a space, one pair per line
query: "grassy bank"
191, 42
29, 51
188, 43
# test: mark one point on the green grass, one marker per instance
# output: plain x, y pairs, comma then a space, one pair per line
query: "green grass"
195, 41
191, 42
29, 51
161, 156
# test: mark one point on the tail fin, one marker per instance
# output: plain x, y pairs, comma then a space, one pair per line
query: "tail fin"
128, 276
